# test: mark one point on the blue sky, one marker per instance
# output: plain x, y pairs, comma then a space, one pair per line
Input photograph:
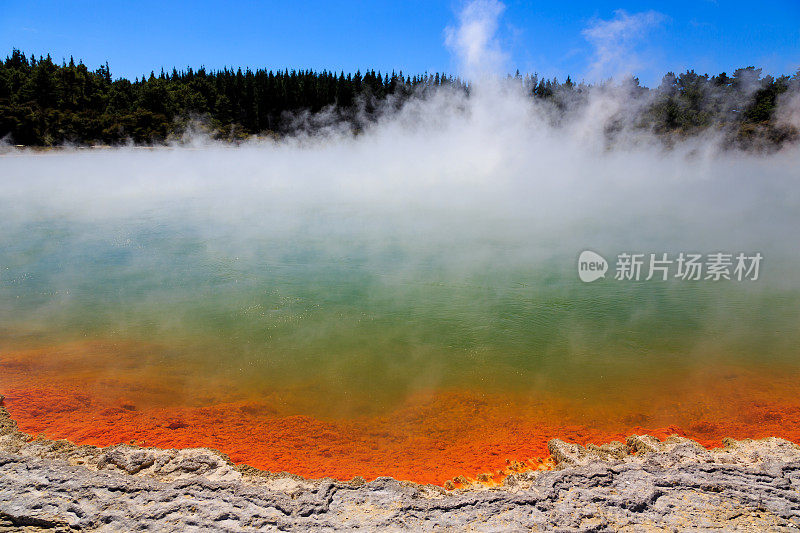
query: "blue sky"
546, 37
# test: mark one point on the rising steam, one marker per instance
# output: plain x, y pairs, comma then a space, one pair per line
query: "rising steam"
481, 190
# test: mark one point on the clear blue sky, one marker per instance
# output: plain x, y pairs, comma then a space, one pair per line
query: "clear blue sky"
546, 37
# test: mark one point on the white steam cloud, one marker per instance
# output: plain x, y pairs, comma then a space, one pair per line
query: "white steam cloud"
474, 184
788, 111
614, 41
475, 41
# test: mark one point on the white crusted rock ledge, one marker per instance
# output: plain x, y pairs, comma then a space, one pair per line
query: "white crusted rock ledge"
643, 484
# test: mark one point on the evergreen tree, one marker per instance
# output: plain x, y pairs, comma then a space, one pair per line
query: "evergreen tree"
45, 103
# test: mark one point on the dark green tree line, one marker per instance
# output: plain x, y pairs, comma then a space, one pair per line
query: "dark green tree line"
43, 103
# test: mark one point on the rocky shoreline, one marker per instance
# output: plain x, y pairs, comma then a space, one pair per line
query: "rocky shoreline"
641, 484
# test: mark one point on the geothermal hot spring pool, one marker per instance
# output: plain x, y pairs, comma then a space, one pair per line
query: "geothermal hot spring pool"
387, 307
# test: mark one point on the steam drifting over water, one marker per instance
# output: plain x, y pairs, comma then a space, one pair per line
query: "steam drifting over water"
338, 276
478, 193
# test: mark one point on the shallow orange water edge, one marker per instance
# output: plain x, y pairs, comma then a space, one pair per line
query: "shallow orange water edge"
431, 437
